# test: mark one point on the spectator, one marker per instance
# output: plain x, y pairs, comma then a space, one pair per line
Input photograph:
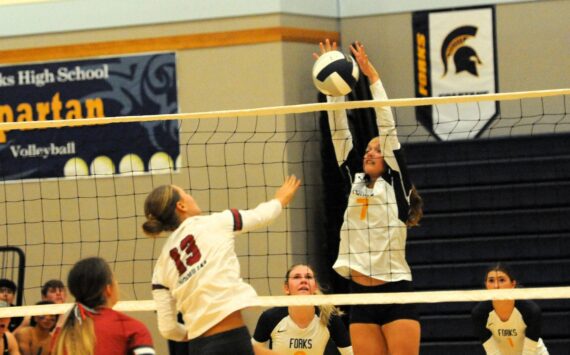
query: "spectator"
54, 291
35, 339
8, 291
8, 343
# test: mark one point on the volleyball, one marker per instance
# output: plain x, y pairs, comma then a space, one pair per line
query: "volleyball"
335, 73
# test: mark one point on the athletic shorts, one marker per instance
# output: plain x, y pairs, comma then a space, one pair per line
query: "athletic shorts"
382, 313
235, 341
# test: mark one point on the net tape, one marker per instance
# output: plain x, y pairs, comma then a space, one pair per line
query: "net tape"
290, 109
534, 293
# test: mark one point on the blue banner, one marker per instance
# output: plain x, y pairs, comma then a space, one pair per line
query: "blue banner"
455, 54
94, 88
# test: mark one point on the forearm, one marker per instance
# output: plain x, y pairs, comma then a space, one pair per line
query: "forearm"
340, 133
386, 126
529, 347
260, 349
166, 313
261, 215
491, 347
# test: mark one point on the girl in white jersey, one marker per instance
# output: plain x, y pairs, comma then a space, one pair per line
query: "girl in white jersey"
198, 273
382, 204
508, 327
301, 329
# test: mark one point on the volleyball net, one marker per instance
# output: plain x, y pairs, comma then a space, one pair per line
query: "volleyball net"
239, 158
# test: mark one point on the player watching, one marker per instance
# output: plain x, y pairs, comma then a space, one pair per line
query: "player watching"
301, 329
92, 327
508, 326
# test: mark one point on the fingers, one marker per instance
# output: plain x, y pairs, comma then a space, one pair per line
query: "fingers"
327, 46
287, 191
292, 182
358, 50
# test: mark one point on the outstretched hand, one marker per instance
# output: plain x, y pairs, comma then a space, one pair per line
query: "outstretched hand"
325, 47
287, 191
365, 65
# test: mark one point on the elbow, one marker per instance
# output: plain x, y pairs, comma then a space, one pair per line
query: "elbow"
176, 333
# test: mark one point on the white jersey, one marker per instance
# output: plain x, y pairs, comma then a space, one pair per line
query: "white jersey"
287, 338
373, 235
198, 273
520, 334
372, 238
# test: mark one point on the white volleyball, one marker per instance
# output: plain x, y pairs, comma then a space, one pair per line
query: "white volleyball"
335, 73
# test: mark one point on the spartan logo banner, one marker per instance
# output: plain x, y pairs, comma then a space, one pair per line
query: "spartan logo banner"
94, 88
455, 54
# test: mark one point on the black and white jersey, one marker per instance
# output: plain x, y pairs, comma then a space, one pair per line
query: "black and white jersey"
285, 337
520, 334
373, 235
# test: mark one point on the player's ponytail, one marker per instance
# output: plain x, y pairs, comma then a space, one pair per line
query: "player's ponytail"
416, 208
327, 311
160, 210
87, 281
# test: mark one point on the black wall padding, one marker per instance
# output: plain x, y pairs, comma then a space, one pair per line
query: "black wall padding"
488, 201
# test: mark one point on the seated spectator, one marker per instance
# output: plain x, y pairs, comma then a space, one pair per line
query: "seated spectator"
8, 343
54, 291
8, 291
35, 339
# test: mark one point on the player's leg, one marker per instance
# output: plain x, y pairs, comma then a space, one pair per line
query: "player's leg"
367, 338
402, 336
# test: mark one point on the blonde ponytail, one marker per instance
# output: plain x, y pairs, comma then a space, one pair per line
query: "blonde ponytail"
76, 337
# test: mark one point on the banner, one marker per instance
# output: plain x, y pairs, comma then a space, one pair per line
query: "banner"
94, 88
455, 54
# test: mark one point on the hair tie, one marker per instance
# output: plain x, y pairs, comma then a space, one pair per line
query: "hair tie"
81, 312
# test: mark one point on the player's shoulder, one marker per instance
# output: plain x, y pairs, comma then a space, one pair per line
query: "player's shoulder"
275, 314
336, 323
482, 309
112, 315
527, 307
23, 331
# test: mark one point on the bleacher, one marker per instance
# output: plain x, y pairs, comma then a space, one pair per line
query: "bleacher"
490, 200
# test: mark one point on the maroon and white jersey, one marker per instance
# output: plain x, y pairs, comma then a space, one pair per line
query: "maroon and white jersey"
198, 272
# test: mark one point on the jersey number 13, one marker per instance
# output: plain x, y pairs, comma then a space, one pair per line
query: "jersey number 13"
187, 245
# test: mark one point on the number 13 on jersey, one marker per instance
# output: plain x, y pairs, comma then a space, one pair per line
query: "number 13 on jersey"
187, 245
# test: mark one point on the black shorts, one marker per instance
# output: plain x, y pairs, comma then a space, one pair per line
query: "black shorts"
235, 341
382, 313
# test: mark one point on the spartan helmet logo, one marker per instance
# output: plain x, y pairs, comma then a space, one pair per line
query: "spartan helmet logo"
464, 57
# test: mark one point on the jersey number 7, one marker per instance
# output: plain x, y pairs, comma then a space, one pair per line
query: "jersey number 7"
188, 245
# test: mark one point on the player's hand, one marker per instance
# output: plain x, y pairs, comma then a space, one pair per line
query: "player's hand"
325, 47
364, 63
287, 191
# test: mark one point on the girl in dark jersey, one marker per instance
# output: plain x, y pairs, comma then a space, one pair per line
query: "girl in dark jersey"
508, 327
301, 329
